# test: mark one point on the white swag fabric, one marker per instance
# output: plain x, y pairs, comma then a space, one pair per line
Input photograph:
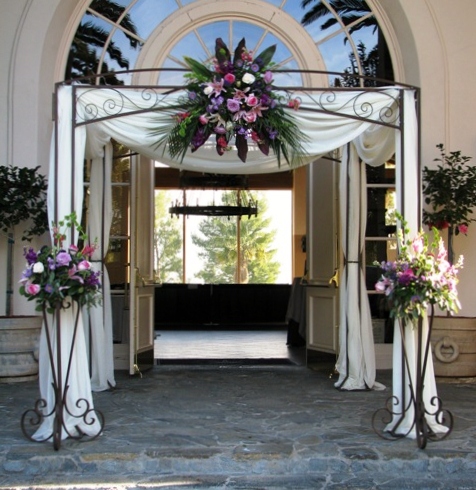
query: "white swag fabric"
326, 118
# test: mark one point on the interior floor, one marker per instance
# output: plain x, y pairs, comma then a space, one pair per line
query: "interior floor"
249, 344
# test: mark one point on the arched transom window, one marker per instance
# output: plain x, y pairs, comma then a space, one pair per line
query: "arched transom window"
326, 35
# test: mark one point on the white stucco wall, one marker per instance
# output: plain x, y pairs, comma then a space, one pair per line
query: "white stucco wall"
432, 43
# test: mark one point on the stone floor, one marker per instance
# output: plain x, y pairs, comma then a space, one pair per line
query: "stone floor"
241, 424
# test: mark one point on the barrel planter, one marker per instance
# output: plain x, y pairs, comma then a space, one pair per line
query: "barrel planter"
453, 343
19, 342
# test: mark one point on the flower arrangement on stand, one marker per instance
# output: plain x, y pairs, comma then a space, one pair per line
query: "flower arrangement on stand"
421, 276
54, 275
234, 99
61, 279
419, 279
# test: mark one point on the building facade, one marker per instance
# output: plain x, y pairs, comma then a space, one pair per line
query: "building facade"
431, 44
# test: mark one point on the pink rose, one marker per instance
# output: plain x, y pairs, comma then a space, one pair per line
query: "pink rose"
294, 104
250, 117
463, 229
84, 265
32, 289
229, 78
252, 100
203, 119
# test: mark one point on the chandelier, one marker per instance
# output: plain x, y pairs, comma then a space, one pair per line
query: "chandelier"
245, 204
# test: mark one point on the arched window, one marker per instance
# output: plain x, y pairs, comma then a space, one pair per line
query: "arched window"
328, 35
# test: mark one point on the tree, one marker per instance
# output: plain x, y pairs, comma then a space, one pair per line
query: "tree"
350, 11
219, 248
369, 63
358, 15
167, 242
83, 59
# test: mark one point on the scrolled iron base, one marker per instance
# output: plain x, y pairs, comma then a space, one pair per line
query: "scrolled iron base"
85, 414
388, 421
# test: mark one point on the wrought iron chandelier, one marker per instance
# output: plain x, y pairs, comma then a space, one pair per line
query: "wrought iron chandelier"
245, 205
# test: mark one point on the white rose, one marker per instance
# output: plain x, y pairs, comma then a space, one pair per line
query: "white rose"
248, 78
208, 90
38, 268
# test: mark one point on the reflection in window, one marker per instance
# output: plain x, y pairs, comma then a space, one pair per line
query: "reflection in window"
380, 243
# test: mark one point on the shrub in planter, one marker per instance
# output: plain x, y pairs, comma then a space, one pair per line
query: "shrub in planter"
22, 201
450, 191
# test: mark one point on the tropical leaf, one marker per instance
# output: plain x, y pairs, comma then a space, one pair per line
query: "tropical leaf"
198, 68
267, 55
239, 50
222, 53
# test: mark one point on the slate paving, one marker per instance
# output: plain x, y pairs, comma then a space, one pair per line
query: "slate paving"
239, 425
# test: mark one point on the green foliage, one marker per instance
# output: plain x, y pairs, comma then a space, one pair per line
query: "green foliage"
23, 198
450, 190
219, 248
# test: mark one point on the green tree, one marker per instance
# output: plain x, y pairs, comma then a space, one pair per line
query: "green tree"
358, 15
350, 11
83, 59
167, 242
219, 247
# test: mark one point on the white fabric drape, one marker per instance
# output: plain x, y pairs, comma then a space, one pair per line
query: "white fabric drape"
407, 204
356, 361
328, 119
326, 130
98, 320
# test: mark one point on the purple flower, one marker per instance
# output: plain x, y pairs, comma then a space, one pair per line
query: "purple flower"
268, 77
192, 95
255, 67
30, 256
406, 277
272, 133
49, 288
63, 258
233, 105
265, 99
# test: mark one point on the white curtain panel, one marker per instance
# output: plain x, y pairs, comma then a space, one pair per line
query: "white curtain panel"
98, 320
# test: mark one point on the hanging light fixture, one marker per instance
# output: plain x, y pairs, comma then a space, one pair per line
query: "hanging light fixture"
243, 207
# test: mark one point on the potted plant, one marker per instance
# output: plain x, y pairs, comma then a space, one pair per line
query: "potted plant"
22, 202
450, 192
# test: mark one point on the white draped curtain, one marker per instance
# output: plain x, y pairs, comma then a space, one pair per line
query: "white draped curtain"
329, 119
98, 320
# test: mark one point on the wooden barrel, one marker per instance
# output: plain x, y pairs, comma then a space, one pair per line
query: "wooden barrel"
453, 343
19, 342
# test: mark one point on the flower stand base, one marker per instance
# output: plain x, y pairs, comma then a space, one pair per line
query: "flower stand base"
65, 408
414, 413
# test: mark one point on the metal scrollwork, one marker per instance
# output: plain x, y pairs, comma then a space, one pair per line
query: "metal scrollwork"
85, 414
388, 422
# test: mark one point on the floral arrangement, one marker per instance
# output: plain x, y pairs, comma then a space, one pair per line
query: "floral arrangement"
234, 99
420, 276
54, 274
450, 190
